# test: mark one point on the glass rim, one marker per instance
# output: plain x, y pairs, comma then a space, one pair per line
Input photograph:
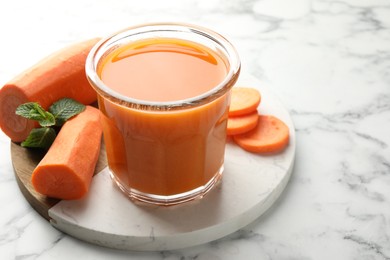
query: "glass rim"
102, 47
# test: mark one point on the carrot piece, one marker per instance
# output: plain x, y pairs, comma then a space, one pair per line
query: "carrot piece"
244, 101
241, 124
62, 74
271, 135
65, 172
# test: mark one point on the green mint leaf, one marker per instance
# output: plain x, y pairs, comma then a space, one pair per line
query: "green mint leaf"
43, 117
25, 110
40, 138
48, 120
33, 111
64, 109
38, 109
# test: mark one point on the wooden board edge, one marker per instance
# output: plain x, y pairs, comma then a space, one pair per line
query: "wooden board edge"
33, 201
24, 162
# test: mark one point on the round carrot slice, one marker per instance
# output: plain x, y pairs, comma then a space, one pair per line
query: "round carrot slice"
241, 124
244, 101
270, 135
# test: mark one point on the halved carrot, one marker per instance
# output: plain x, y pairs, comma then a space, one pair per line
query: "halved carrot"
244, 101
241, 124
65, 172
59, 75
271, 135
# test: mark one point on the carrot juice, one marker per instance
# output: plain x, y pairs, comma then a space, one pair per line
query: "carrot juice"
165, 100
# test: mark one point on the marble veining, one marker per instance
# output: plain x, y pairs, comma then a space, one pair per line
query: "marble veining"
328, 62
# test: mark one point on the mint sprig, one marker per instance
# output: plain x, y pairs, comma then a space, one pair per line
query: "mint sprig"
59, 112
34, 111
65, 109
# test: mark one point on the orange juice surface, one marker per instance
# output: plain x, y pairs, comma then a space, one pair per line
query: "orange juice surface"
164, 152
162, 70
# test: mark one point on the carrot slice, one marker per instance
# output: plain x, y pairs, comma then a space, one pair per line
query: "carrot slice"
241, 124
65, 172
271, 135
244, 101
62, 74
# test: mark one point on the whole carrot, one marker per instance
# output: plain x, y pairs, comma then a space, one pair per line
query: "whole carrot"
62, 74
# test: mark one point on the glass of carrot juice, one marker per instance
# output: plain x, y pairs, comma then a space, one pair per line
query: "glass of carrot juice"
164, 93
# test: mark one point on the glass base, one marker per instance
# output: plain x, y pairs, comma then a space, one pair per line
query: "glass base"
169, 200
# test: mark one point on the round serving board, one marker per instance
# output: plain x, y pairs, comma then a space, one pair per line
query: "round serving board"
251, 184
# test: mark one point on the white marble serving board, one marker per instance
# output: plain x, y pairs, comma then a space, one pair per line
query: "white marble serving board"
251, 184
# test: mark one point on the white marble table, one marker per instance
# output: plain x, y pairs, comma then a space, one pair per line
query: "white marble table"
329, 63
